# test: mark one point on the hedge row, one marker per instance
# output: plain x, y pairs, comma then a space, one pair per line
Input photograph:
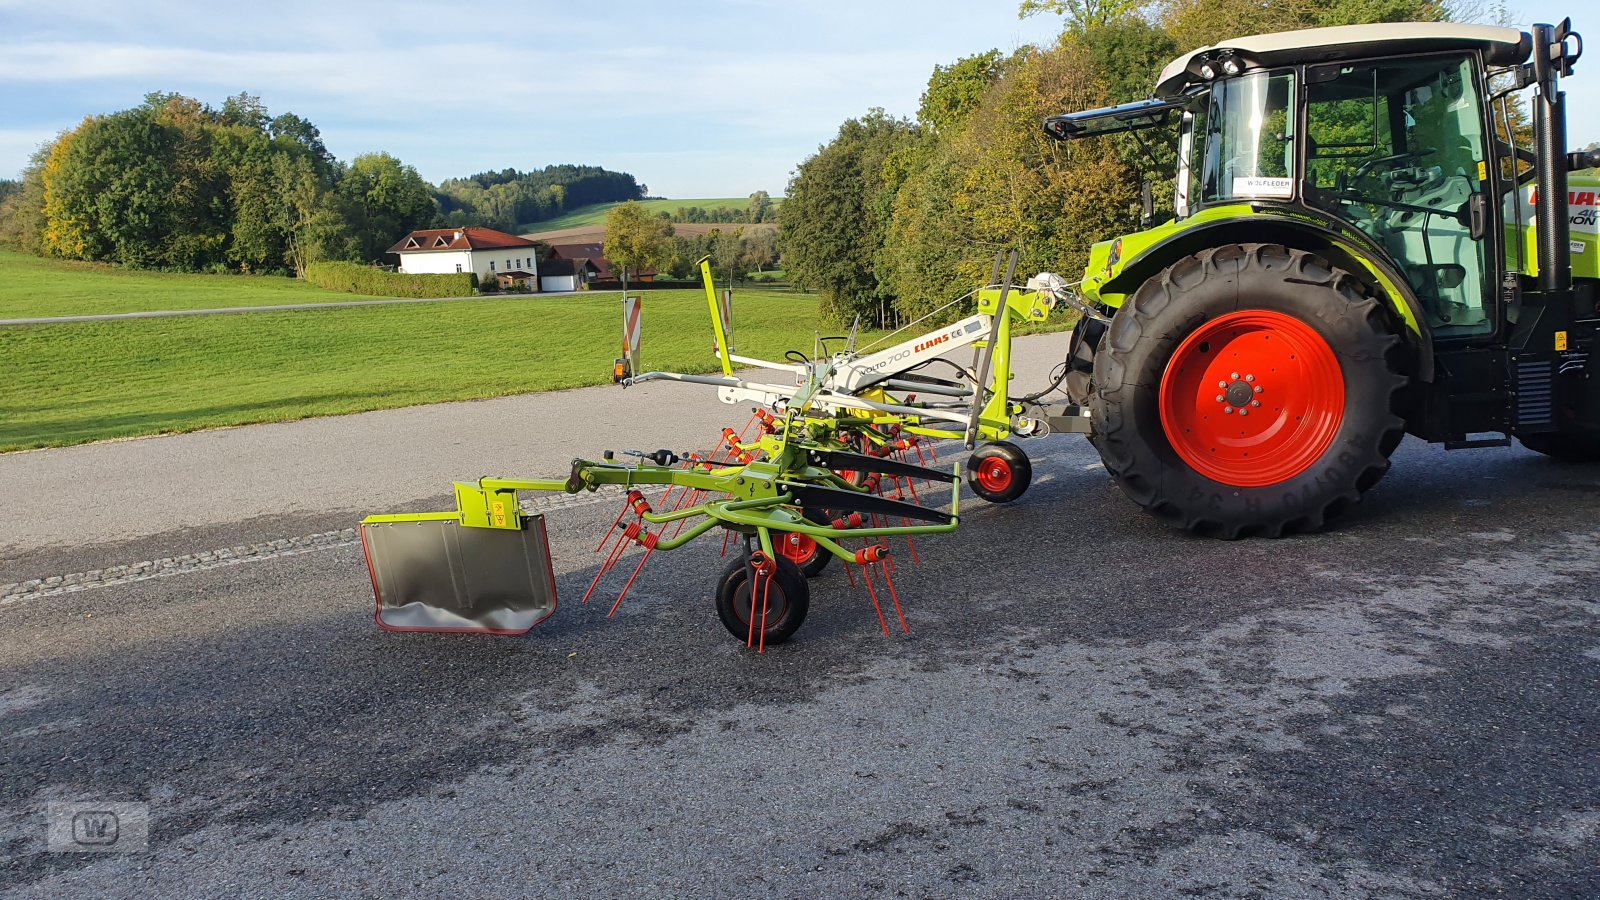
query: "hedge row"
359, 279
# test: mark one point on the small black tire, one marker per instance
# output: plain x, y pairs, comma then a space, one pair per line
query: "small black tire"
1564, 446
1150, 339
788, 600
801, 550
999, 472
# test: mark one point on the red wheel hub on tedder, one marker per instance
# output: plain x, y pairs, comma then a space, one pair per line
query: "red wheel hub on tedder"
799, 548
1252, 398
994, 474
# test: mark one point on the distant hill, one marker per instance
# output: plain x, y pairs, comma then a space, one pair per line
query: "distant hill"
594, 215
596, 233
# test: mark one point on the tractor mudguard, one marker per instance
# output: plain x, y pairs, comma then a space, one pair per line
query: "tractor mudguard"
431, 573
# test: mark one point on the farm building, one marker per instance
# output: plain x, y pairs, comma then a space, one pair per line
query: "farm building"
484, 251
594, 254
566, 274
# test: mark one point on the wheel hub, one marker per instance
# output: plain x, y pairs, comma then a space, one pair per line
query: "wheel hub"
994, 474
1239, 394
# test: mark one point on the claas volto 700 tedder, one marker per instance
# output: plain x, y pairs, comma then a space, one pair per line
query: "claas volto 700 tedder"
1360, 250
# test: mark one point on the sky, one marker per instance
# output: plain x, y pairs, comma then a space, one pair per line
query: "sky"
697, 98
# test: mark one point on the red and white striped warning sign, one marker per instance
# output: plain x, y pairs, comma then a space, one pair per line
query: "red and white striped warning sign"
630, 333
725, 309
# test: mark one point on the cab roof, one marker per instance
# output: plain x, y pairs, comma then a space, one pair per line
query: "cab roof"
1501, 46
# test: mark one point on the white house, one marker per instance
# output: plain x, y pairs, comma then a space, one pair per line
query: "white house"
489, 253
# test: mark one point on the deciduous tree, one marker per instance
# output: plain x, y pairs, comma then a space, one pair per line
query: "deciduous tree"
636, 240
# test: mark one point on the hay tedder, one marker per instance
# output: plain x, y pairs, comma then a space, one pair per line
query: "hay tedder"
1360, 247
822, 470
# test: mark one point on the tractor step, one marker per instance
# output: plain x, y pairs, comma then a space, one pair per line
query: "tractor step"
1476, 443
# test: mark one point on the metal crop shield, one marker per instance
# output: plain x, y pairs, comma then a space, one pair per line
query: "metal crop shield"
430, 573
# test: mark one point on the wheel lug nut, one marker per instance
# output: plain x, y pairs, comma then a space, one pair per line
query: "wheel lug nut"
1236, 376
1249, 378
1226, 410
1244, 412
1258, 388
1219, 398
1222, 384
1255, 402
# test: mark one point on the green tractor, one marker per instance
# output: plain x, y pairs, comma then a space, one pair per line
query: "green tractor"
1360, 249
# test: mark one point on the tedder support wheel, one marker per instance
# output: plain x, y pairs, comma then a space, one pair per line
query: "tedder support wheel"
802, 550
1250, 389
999, 471
1564, 446
788, 598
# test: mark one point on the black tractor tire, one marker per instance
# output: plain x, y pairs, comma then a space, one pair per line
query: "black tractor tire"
999, 472
1321, 311
788, 601
805, 553
1564, 446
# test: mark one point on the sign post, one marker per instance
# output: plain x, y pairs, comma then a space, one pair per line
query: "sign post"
627, 365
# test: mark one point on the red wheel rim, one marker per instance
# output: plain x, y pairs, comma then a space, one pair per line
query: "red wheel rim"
1252, 398
799, 548
994, 475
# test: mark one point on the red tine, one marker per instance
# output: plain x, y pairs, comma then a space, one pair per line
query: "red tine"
895, 596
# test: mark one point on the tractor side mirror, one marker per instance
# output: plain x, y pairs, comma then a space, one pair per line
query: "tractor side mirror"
1147, 204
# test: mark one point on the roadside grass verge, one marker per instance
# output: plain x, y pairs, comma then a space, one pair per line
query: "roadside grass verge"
31, 286
79, 382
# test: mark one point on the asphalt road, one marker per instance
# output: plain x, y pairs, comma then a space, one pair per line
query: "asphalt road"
1088, 704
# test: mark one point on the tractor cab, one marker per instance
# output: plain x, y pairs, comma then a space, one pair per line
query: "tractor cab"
1383, 130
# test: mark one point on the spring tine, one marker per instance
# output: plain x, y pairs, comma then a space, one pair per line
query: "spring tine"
696, 497
911, 546
895, 596
752, 421
866, 575
610, 560
766, 590
620, 513
755, 584
726, 534
636, 569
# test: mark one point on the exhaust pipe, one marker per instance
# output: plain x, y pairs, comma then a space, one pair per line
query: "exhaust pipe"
1550, 62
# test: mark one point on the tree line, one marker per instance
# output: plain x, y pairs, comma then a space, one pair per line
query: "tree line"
177, 184
895, 217
508, 200
636, 240
759, 209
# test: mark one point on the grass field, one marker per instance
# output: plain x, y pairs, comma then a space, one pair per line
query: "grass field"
72, 383
30, 286
595, 214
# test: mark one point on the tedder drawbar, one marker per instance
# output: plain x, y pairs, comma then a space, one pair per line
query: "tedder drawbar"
826, 474
1364, 243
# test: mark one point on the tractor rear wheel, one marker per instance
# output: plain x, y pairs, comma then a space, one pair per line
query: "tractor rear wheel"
1564, 446
1250, 389
787, 600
